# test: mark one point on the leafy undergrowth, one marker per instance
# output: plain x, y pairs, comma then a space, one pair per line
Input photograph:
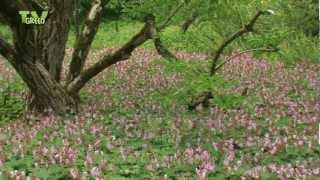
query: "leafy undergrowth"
134, 124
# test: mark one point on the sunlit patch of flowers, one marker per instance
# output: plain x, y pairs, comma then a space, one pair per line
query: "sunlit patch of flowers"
203, 160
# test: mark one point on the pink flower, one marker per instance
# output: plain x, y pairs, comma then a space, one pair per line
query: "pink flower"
204, 169
95, 129
95, 172
74, 173
189, 151
89, 160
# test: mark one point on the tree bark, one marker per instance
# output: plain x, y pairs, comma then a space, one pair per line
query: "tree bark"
47, 93
85, 39
120, 55
38, 52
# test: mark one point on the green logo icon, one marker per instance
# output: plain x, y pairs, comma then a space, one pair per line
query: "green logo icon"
32, 17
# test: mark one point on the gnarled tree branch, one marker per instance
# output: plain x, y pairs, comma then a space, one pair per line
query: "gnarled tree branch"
85, 39
120, 55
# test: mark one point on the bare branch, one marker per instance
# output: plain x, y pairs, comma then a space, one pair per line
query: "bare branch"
244, 30
170, 17
204, 97
155, 33
85, 39
189, 21
161, 49
120, 55
264, 49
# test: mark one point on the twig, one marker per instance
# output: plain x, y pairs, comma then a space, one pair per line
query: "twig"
244, 30
170, 17
264, 49
189, 21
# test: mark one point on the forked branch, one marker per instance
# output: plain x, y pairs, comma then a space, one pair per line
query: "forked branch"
161, 49
155, 33
120, 55
204, 97
85, 39
244, 30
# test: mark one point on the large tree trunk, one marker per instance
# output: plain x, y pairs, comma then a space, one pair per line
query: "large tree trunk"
47, 93
39, 54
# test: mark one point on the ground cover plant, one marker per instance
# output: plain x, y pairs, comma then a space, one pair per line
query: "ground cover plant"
134, 119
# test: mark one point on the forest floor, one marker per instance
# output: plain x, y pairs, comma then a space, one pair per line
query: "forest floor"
135, 124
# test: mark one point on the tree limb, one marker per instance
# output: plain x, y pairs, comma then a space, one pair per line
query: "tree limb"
161, 49
264, 49
155, 33
204, 97
85, 39
244, 30
120, 55
189, 21
170, 17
